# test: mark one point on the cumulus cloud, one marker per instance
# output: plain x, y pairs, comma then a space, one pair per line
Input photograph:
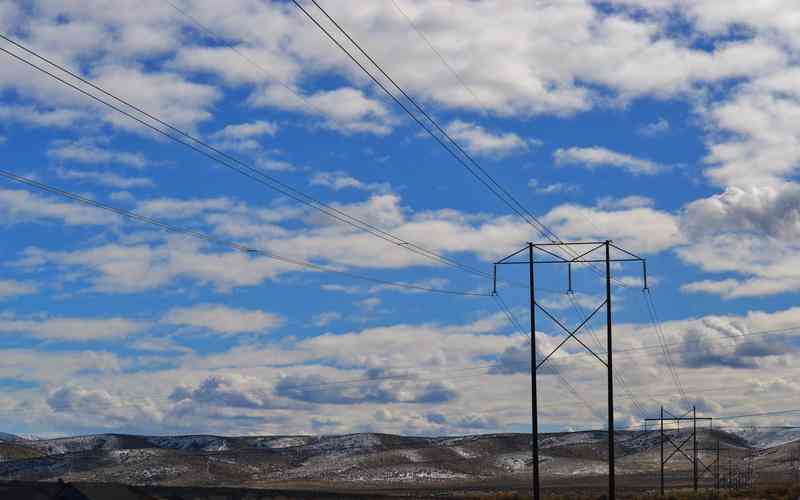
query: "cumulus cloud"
245, 136
747, 231
223, 319
554, 188
325, 318
18, 206
640, 229
228, 391
73, 329
89, 151
346, 109
627, 202
478, 140
593, 157
767, 210
116, 268
105, 178
656, 128
40, 117
721, 342
13, 288
317, 389
338, 180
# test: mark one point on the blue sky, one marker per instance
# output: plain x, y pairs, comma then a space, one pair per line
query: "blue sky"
670, 127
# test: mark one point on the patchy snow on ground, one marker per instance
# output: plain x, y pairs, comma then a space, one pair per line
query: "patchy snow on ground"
278, 443
571, 439
346, 443
411, 455
464, 452
77, 444
412, 475
134, 455
204, 443
767, 438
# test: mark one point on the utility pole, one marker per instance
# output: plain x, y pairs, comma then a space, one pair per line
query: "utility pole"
612, 487
662, 450
534, 396
694, 446
716, 474
576, 253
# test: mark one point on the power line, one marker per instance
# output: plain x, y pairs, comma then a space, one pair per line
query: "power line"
665, 349
232, 162
219, 241
762, 414
510, 315
636, 403
436, 51
464, 158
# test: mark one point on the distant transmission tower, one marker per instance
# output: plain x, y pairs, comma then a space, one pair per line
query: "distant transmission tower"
589, 253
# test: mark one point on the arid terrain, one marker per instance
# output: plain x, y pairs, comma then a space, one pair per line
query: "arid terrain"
383, 464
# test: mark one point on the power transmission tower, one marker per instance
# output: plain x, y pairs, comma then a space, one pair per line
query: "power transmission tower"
680, 447
570, 254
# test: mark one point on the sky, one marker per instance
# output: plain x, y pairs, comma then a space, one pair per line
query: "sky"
671, 127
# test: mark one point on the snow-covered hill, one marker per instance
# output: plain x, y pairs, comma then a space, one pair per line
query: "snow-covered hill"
369, 458
767, 437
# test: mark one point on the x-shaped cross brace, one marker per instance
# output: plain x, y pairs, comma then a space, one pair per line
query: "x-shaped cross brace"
571, 333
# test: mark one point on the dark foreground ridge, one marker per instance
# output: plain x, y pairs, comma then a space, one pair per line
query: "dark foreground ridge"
20, 490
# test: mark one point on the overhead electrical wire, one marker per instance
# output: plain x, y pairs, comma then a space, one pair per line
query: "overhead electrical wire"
222, 242
433, 128
186, 139
653, 316
617, 375
553, 367
441, 135
424, 37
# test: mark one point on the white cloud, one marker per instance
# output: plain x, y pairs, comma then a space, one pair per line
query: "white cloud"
31, 115
369, 304
325, 318
633, 201
246, 130
73, 329
56, 366
18, 206
555, 188
105, 178
338, 180
115, 268
244, 136
223, 319
750, 232
593, 157
172, 208
88, 151
760, 139
641, 229
232, 391
478, 140
170, 96
346, 109
658, 127
12, 288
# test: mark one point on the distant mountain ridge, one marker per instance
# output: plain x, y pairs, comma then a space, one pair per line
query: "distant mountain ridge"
10, 438
364, 459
